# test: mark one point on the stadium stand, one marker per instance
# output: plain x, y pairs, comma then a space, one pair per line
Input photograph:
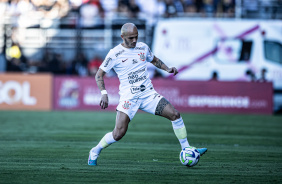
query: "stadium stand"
65, 29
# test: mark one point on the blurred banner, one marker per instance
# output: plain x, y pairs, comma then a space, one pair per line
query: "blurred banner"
25, 91
187, 96
218, 97
75, 93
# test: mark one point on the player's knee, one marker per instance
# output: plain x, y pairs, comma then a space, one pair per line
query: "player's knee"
118, 137
119, 134
175, 115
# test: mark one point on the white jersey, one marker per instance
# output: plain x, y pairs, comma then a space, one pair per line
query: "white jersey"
131, 68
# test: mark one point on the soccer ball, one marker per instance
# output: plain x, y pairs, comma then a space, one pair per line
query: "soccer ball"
189, 156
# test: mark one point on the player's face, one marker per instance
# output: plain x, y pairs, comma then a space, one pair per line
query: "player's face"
130, 39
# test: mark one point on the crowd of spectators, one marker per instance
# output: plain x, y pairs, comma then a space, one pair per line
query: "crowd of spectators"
52, 62
89, 13
93, 13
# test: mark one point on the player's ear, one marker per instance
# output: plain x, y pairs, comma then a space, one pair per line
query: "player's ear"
121, 36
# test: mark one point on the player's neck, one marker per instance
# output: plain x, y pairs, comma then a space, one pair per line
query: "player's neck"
122, 44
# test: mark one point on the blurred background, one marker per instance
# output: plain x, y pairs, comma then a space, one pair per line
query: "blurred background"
207, 40
229, 57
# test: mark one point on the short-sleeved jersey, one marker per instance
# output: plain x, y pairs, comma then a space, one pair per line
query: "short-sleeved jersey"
131, 68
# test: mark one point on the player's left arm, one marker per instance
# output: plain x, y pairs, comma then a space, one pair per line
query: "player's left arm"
159, 64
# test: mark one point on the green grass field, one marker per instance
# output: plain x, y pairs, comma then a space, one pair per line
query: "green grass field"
52, 147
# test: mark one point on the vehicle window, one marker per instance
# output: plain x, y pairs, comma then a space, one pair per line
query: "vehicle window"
233, 51
273, 51
246, 50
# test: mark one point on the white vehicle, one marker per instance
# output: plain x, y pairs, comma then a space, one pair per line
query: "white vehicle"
231, 50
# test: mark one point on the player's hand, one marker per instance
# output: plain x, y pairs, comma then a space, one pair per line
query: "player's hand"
172, 70
104, 101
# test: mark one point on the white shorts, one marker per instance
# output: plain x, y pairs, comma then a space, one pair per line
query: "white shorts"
147, 104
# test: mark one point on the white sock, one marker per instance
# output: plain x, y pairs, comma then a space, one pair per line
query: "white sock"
180, 132
106, 141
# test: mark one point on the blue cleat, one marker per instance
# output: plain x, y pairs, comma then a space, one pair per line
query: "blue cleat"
92, 160
202, 150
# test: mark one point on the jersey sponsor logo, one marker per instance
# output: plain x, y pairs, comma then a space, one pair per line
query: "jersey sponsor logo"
142, 56
134, 77
137, 89
124, 60
139, 48
137, 71
137, 79
134, 61
107, 61
119, 53
126, 105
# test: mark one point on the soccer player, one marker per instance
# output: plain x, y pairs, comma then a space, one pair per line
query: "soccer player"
136, 91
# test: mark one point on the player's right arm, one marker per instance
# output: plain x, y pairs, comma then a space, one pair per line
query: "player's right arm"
99, 77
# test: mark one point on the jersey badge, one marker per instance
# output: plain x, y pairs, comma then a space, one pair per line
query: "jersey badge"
142, 56
126, 105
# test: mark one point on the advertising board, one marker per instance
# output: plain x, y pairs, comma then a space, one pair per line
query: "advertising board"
25, 91
187, 96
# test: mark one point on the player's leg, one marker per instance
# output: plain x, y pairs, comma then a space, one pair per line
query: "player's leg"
122, 121
165, 109
158, 105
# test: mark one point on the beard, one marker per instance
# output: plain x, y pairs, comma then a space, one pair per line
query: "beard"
130, 45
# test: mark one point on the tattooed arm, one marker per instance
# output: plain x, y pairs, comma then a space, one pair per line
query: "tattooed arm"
159, 64
101, 85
